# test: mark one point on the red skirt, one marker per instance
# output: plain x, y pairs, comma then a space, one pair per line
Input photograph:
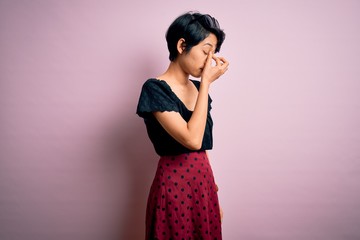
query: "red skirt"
183, 201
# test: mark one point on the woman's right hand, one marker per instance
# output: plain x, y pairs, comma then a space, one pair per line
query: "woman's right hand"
191, 133
210, 72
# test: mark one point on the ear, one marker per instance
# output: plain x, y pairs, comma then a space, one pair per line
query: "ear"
181, 45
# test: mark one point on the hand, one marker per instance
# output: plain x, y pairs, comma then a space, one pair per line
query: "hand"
211, 73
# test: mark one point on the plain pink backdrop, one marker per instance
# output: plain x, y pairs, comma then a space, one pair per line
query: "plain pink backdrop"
76, 162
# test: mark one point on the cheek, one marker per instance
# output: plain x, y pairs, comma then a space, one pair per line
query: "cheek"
201, 58
198, 59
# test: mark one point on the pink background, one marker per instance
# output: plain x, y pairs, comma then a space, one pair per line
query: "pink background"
76, 162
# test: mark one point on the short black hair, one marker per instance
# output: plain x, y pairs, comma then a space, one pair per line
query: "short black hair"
193, 27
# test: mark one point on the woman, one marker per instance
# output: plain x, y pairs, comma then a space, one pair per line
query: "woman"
183, 201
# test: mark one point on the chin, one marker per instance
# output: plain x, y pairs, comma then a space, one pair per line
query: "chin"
197, 75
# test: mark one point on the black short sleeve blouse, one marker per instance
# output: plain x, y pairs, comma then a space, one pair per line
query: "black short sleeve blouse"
156, 95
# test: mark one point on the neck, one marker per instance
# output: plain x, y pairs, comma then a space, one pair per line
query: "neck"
175, 74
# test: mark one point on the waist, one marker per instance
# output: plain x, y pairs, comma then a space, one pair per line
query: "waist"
195, 156
185, 163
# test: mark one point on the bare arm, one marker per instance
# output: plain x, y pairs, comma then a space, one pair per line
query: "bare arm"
190, 134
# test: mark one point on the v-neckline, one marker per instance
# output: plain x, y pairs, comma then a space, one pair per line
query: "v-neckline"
172, 92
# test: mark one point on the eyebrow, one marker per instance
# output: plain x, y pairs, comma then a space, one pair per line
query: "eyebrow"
208, 44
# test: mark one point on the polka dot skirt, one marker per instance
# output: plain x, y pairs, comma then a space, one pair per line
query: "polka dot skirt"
183, 202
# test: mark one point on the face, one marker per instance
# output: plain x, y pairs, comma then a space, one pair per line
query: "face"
193, 62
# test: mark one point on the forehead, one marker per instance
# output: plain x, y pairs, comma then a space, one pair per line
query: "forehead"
209, 41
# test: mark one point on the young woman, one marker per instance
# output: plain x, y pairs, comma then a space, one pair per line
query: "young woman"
183, 201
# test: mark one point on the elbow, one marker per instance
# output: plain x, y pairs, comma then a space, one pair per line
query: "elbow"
194, 145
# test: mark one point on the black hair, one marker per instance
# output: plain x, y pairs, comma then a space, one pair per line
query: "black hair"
193, 27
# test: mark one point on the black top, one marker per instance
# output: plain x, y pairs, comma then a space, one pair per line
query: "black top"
156, 95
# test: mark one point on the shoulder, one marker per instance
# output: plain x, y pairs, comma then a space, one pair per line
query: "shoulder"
153, 84
155, 96
155, 89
